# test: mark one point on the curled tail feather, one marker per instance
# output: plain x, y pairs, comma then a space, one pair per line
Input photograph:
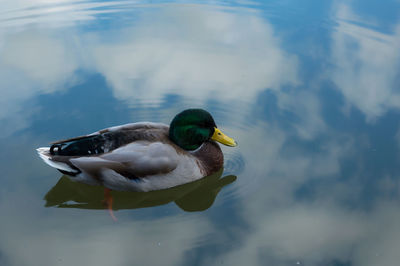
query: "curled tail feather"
44, 153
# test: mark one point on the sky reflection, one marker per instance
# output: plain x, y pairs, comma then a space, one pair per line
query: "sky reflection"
310, 94
194, 51
366, 64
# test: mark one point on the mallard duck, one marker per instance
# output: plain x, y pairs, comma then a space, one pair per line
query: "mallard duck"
143, 156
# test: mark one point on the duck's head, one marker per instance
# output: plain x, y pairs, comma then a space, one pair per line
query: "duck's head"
192, 127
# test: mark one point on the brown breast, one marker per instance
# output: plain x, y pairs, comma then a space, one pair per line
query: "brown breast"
210, 157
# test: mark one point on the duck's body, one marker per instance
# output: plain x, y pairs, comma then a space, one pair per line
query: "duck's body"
138, 156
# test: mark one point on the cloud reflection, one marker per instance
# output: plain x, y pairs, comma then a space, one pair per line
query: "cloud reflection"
194, 51
366, 64
54, 13
31, 62
75, 238
324, 225
198, 52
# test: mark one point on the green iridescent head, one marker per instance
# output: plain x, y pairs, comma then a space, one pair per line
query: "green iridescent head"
192, 127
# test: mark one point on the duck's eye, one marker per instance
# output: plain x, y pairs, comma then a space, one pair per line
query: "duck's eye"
219, 133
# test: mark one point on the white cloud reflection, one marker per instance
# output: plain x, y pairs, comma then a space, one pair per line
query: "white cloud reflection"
197, 52
319, 234
53, 13
42, 59
92, 238
31, 62
366, 64
322, 229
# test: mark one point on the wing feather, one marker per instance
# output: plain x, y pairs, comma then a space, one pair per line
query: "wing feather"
129, 126
138, 159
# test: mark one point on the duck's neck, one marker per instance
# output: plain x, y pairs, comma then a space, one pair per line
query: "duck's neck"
210, 156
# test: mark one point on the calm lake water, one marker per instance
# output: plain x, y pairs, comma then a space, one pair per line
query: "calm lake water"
309, 89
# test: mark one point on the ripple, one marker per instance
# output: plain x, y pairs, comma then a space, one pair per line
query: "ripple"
67, 12
59, 11
234, 163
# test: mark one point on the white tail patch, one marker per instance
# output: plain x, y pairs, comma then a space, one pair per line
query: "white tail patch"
44, 153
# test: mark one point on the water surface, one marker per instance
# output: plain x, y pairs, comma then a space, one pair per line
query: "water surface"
310, 90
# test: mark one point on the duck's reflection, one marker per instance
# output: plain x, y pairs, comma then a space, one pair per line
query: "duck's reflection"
194, 196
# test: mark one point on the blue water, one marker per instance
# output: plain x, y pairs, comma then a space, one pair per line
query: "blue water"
309, 89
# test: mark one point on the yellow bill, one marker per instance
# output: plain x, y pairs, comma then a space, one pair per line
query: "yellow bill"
222, 138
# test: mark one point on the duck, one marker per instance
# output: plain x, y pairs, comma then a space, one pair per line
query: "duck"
143, 156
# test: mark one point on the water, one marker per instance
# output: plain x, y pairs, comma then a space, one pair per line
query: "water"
310, 90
